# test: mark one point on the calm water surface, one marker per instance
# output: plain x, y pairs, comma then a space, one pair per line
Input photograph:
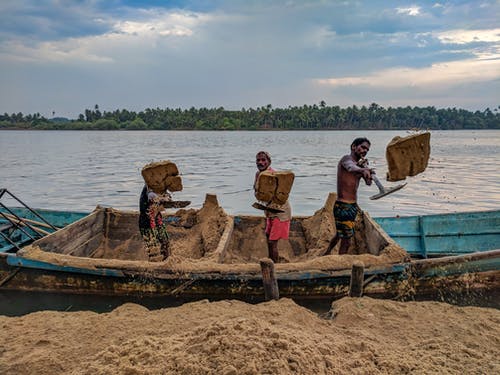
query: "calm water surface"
77, 170
72, 170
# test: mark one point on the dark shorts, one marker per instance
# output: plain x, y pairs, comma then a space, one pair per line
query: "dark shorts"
345, 216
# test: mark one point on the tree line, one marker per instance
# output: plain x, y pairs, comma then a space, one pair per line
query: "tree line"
311, 117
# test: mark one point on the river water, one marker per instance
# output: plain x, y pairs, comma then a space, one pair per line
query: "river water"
77, 170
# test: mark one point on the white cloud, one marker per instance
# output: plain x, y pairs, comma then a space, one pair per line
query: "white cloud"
176, 24
247, 53
444, 74
469, 36
147, 28
411, 11
124, 36
70, 49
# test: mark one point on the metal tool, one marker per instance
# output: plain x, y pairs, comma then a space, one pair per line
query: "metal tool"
383, 191
176, 204
260, 206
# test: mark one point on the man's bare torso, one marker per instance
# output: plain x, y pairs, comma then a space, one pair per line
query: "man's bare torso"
347, 182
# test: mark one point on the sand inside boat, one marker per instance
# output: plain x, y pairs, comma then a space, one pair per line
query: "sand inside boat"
210, 240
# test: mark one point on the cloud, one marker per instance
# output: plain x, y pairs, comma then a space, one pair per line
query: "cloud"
468, 36
242, 53
163, 24
124, 36
459, 56
78, 50
410, 11
443, 74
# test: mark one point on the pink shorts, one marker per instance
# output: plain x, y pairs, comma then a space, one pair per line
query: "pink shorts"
276, 229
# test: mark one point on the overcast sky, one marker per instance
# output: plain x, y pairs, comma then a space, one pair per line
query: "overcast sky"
65, 56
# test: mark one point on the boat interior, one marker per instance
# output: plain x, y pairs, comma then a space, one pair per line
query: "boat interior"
209, 234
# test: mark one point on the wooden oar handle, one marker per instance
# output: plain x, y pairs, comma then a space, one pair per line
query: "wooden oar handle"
24, 224
38, 223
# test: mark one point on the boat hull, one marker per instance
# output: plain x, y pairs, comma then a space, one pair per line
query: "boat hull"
103, 254
445, 234
473, 275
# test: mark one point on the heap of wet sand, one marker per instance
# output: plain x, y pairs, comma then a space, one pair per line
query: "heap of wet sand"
365, 336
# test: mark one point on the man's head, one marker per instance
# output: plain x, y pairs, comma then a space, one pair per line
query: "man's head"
262, 160
360, 147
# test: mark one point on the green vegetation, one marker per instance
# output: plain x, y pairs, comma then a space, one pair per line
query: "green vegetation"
310, 117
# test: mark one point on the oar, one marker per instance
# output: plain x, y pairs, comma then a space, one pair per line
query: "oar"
20, 222
39, 223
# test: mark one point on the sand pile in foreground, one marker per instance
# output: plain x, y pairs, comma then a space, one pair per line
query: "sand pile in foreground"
366, 336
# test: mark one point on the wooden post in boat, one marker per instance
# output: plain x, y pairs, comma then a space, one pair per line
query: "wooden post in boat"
357, 279
269, 281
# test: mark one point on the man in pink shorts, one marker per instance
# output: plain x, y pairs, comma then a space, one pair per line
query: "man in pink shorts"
277, 224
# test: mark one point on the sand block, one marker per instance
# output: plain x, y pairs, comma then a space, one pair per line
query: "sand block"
284, 186
274, 186
174, 183
158, 176
407, 156
266, 186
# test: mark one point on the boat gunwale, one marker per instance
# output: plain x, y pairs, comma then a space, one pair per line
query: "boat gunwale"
413, 267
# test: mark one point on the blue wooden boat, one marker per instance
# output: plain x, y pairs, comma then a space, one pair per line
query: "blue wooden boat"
423, 236
22, 226
102, 253
445, 234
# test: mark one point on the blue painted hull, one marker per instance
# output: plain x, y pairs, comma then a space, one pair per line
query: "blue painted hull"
445, 234
12, 238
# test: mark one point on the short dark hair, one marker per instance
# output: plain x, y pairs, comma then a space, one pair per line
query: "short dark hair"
266, 154
360, 140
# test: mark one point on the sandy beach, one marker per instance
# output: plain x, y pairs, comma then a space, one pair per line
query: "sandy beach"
359, 336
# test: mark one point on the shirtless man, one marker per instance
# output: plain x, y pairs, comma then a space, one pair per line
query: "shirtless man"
277, 224
349, 172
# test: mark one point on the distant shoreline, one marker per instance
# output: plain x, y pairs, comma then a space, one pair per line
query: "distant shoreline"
306, 117
243, 130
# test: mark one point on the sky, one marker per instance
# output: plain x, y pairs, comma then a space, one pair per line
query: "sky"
61, 57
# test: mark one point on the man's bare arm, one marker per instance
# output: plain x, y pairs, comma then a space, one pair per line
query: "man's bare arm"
351, 166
